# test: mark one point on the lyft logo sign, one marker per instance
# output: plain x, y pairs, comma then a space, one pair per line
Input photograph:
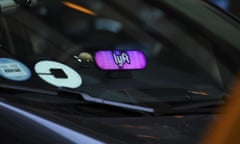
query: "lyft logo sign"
121, 58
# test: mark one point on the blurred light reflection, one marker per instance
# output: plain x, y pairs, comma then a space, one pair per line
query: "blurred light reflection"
79, 8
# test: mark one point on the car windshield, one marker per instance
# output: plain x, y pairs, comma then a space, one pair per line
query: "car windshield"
158, 51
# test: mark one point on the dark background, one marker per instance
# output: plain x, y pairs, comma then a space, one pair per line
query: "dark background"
232, 6
235, 7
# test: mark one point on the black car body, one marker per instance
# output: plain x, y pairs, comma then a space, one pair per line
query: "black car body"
191, 54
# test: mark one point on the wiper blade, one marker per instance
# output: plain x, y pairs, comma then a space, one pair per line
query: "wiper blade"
201, 107
26, 89
196, 105
71, 94
92, 99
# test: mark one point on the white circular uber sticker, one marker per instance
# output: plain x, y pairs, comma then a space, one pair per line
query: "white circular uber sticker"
58, 74
14, 70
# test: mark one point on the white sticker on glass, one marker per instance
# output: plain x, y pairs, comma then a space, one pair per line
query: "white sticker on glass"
14, 70
58, 74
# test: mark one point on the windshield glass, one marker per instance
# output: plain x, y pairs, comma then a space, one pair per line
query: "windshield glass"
158, 51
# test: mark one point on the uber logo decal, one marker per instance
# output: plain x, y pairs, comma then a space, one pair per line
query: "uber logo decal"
58, 74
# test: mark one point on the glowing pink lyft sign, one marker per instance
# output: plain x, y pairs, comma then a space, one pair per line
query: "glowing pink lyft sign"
120, 60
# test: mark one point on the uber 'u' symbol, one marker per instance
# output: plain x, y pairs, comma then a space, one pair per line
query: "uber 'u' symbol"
58, 74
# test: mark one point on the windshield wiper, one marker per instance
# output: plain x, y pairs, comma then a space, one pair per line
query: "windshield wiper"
177, 107
204, 104
201, 107
71, 94
88, 98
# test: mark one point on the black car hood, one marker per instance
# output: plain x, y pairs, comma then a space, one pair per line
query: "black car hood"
20, 126
154, 130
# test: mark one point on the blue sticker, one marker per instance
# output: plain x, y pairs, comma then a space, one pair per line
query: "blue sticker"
14, 70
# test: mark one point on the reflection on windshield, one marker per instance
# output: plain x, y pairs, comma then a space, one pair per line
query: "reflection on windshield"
176, 58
